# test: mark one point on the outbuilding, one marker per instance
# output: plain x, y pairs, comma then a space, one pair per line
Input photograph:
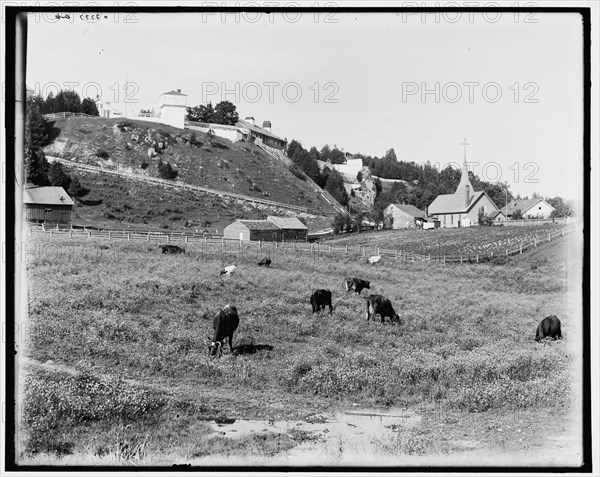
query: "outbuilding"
48, 205
253, 230
291, 227
403, 216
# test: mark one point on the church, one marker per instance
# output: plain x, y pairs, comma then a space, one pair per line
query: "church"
461, 209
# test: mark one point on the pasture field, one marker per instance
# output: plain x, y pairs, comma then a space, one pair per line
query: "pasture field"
451, 242
114, 368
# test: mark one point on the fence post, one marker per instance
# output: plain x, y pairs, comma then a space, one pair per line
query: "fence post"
71, 233
128, 237
396, 254
549, 238
148, 237
535, 242
109, 232
563, 232
168, 238
445, 260
346, 249
521, 248
51, 230
186, 239
477, 258
461, 259
89, 234
363, 250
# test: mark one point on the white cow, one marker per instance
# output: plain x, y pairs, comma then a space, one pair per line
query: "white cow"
374, 259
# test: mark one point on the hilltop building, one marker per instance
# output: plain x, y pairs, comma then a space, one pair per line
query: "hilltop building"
48, 205
172, 105
244, 130
349, 169
530, 209
462, 208
273, 229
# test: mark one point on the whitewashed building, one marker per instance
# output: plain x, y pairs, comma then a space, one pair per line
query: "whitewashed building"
530, 209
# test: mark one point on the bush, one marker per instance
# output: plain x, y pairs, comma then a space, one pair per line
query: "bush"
166, 171
102, 154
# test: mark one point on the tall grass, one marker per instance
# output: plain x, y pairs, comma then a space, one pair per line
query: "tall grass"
466, 337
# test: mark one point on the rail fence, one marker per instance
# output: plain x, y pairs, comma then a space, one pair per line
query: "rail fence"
228, 246
179, 185
68, 115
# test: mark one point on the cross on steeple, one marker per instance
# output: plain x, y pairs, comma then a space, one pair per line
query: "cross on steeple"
465, 144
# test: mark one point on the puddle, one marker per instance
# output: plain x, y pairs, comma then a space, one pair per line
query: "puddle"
345, 423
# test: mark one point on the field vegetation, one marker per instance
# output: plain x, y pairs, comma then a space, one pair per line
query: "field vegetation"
119, 369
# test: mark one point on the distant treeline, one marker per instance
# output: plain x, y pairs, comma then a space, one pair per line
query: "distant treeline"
66, 102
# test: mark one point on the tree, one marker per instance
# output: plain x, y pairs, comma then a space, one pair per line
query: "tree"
517, 214
335, 186
201, 113
293, 147
314, 154
36, 165
562, 207
390, 156
88, 106
76, 189
57, 176
341, 223
225, 113
67, 101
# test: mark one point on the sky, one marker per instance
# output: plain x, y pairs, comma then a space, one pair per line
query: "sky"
366, 82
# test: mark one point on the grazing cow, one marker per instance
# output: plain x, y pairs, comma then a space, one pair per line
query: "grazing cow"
320, 299
549, 326
374, 259
171, 249
224, 324
356, 284
265, 262
228, 270
379, 305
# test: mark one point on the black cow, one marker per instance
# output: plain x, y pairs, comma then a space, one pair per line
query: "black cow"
171, 249
356, 284
320, 299
380, 305
265, 262
549, 326
224, 324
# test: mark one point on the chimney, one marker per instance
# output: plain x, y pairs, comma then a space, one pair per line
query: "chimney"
267, 125
178, 90
467, 196
249, 119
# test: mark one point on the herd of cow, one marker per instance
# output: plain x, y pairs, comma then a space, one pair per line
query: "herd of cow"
227, 321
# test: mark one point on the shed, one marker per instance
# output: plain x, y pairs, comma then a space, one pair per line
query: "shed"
48, 205
254, 230
403, 216
292, 228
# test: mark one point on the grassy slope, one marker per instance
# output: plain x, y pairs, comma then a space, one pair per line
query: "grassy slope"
212, 162
466, 342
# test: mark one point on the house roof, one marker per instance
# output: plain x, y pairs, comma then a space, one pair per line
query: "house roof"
258, 224
47, 196
287, 222
453, 203
524, 205
175, 93
494, 213
257, 129
410, 210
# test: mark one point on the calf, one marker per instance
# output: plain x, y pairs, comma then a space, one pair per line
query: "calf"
356, 284
171, 249
265, 262
549, 326
379, 305
224, 324
320, 299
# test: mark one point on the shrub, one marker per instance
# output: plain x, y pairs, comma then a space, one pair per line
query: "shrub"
166, 171
102, 154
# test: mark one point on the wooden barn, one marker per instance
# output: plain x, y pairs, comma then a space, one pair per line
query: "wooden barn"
48, 205
251, 230
403, 216
291, 227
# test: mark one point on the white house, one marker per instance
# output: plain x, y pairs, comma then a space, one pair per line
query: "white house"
106, 110
530, 208
402, 216
173, 108
462, 208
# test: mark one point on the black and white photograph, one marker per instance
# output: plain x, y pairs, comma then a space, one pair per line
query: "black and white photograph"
316, 236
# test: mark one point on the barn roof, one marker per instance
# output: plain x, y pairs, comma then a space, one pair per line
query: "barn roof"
258, 224
410, 210
287, 222
523, 205
47, 196
494, 213
453, 203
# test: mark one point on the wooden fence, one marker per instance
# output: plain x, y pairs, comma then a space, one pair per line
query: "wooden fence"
227, 246
67, 115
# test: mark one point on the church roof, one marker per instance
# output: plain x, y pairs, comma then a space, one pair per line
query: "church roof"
453, 203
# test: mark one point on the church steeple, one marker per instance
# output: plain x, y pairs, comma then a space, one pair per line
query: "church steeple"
465, 187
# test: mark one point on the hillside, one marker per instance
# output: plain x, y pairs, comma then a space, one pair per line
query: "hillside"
137, 147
